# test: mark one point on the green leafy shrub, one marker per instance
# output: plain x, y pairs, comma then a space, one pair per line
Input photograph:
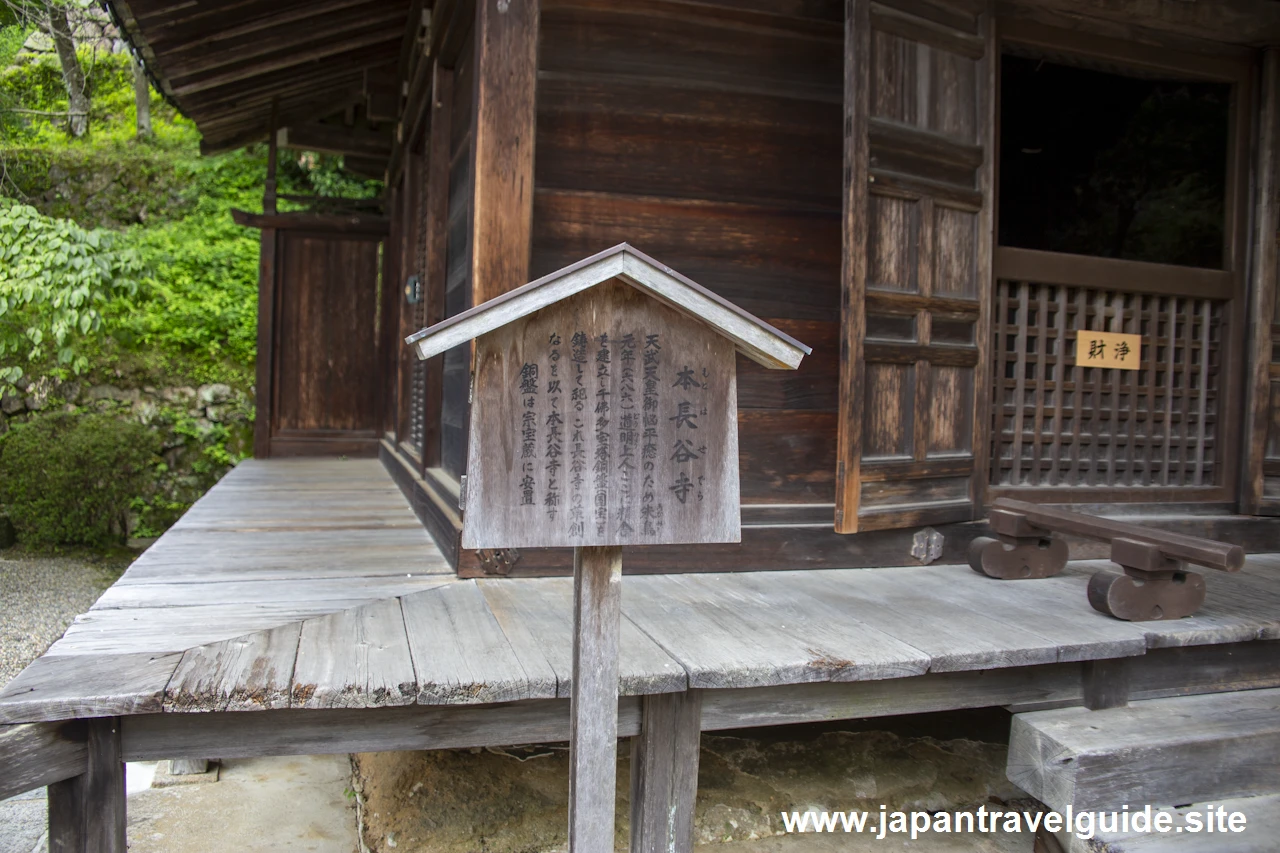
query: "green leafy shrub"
71, 479
55, 278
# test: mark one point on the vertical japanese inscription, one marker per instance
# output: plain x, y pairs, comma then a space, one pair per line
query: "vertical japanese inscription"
528, 431
688, 447
650, 508
628, 432
578, 441
555, 428
615, 424
601, 470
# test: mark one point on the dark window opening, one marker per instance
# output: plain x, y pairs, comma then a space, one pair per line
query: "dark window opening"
1111, 165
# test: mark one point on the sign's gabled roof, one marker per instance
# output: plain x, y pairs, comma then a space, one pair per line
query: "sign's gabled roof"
753, 337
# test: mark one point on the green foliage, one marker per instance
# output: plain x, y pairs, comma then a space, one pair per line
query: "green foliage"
182, 306
69, 479
11, 38
55, 279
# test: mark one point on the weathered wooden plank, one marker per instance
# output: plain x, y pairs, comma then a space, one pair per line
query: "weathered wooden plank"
461, 655
87, 813
1159, 751
62, 688
300, 588
727, 636
664, 773
1054, 608
247, 673
593, 704
953, 635
38, 754
160, 629
356, 658
536, 614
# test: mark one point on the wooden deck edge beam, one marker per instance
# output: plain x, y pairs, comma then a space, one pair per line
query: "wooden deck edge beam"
1159, 673
34, 755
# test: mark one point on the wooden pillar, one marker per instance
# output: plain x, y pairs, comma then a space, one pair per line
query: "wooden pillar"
505, 119
593, 732
1262, 296
664, 773
87, 812
265, 369
266, 301
439, 145
269, 189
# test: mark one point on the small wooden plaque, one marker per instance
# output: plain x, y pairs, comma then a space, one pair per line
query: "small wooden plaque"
607, 418
1108, 349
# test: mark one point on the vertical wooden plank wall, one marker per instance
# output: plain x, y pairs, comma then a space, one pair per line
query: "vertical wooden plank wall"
919, 211
708, 135
1260, 483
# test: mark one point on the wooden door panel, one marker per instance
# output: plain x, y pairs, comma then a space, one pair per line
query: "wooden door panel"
917, 247
326, 353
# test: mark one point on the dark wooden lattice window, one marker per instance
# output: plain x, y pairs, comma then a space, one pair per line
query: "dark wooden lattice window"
1056, 423
418, 381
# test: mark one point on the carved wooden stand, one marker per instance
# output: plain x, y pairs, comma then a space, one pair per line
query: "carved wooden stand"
1153, 587
1020, 549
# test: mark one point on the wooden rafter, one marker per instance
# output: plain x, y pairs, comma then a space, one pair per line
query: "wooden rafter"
225, 64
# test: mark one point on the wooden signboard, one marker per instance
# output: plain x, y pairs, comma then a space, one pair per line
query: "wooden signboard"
604, 413
1108, 349
605, 419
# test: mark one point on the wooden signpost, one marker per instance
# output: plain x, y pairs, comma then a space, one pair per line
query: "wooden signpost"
604, 413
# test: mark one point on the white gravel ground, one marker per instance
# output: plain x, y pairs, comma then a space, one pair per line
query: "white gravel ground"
39, 598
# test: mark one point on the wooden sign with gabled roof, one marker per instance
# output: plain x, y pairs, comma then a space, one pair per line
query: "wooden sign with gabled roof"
604, 413
604, 409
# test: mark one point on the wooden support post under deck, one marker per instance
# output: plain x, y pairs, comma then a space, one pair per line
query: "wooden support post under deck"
664, 772
87, 812
593, 706
1105, 683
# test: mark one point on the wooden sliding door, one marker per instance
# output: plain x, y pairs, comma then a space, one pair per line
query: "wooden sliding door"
916, 254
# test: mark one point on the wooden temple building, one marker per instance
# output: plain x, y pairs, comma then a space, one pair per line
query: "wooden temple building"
938, 197
957, 205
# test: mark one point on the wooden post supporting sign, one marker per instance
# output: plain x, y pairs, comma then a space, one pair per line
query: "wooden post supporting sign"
593, 705
604, 413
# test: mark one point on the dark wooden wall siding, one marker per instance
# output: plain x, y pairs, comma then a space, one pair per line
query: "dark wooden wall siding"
326, 346
709, 135
457, 362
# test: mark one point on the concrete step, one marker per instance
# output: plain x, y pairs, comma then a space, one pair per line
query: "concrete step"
1158, 752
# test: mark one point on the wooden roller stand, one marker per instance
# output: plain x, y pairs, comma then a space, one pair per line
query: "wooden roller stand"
1155, 583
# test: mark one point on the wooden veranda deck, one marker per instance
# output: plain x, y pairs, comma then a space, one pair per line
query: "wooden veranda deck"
300, 608
311, 585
